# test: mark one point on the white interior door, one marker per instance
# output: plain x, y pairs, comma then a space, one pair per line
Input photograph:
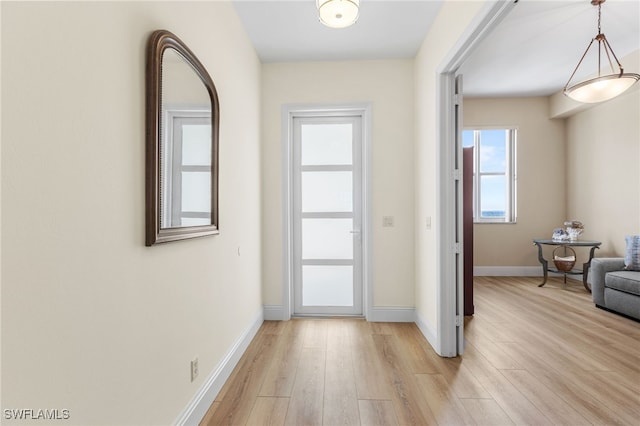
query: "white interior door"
327, 215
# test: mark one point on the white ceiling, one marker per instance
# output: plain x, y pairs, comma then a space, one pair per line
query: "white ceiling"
286, 31
531, 53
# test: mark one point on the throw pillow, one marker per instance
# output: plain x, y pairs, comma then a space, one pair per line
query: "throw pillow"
632, 255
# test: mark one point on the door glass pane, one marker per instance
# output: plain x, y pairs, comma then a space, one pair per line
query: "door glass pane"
327, 239
327, 285
327, 192
324, 144
196, 191
493, 151
493, 196
196, 145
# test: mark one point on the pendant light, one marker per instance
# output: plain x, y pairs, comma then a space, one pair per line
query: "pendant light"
602, 87
338, 13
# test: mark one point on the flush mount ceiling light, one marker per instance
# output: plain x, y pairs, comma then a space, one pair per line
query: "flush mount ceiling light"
602, 87
338, 13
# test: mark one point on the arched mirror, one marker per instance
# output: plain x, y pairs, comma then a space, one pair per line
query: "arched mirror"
182, 143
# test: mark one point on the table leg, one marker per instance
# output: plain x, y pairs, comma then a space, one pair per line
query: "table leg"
585, 268
545, 266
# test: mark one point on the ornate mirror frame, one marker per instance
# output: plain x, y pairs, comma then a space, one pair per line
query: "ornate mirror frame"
158, 43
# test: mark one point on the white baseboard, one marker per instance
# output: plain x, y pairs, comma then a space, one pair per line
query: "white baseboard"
274, 313
515, 271
199, 405
377, 314
428, 331
391, 314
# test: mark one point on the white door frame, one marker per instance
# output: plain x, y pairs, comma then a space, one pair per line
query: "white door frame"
302, 110
483, 24
355, 215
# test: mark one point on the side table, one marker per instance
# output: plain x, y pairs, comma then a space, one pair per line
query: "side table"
577, 243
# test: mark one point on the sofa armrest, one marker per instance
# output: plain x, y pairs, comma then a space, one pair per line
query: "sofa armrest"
599, 267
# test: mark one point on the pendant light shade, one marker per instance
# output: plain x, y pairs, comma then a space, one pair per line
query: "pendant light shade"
338, 13
603, 87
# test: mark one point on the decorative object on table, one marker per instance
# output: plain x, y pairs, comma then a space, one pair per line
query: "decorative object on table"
559, 234
564, 263
574, 229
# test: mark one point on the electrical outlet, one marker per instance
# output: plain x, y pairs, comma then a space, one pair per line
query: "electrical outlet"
194, 369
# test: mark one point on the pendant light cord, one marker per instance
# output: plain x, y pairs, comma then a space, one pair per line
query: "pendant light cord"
599, 37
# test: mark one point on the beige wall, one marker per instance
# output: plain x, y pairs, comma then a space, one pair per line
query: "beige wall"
388, 85
603, 158
540, 178
449, 25
92, 320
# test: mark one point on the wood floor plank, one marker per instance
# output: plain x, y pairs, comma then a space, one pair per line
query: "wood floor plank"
565, 384
486, 412
268, 411
405, 394
495, 355
463, 382
510, 399
620, 390
459, 378
445, 406
371, 382
241, 392
554, 408
306, 402
570, 388
208, 417
340, 394
377, 413
415, 349
381, 328
315, 335
274, 327
476, 327
282, 370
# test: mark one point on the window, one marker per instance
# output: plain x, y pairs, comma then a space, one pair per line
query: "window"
494, 174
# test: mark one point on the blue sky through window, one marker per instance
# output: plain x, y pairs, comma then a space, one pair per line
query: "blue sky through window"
493, 159
492, 151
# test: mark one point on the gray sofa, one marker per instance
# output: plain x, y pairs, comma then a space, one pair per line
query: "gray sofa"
613, 288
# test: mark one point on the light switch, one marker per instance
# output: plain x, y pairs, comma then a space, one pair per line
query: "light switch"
428, 222
387, 221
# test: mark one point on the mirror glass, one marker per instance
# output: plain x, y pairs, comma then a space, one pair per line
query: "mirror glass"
185, 152
182, 143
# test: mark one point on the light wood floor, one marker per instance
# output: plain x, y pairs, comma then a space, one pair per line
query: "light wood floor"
534, 356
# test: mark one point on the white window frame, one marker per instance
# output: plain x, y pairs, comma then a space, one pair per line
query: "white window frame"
510, 174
